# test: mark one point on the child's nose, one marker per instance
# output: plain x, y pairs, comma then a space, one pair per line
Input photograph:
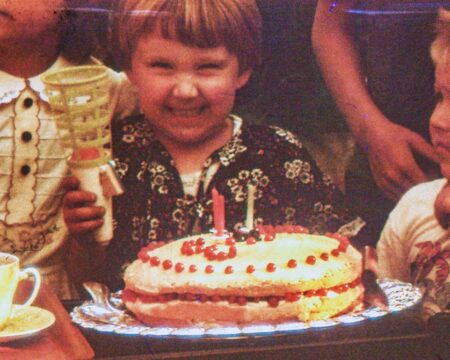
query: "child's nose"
185, 87
440, 118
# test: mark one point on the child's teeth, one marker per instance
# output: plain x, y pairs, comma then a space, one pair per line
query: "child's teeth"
192, 112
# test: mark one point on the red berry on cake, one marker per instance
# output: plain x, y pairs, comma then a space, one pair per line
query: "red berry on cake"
192, 268
269, 237
179, 267
273, 301
221, 256
292, 263
199, 249
230, 241
241, 300
271, 267
143, 255
251, 240
232, 252
154, 260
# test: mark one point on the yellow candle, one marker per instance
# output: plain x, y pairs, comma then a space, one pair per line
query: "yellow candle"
250, 206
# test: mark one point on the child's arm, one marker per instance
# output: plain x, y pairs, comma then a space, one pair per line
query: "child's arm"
86, 258
390, 147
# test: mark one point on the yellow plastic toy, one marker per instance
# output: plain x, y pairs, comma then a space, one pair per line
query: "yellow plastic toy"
80, 96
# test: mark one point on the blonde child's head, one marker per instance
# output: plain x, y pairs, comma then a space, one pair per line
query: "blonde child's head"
440, 118
440, 48
234, 24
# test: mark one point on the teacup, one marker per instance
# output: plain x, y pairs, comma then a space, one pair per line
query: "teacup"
10, 274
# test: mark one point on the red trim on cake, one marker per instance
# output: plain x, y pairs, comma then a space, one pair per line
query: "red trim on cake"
272, 300
211, 253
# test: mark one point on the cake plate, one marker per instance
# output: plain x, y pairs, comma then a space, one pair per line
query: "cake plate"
104, 318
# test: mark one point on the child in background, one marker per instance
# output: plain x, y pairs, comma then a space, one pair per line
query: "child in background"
37, 36
413, 245
187, 59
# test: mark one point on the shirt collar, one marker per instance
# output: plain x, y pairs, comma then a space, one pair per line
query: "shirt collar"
11, 86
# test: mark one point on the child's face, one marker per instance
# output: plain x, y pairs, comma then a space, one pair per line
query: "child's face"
27, 19
440, 119
185, 92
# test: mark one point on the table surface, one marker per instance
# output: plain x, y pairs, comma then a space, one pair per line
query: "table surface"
401, 335
63, 340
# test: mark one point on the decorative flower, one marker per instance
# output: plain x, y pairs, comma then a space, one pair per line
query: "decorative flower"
290, 137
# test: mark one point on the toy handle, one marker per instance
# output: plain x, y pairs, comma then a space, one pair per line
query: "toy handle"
90, 181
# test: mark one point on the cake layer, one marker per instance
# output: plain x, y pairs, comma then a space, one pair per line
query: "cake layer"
222, 313
278, 264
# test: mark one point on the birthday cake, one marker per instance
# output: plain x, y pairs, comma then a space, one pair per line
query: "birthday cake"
271, 275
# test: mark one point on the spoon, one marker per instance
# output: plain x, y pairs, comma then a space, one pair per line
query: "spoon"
102, 310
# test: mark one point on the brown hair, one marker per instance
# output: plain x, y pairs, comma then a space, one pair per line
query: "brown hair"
440, 48
84, 28
235, 24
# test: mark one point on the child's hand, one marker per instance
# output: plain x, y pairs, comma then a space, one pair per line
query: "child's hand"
442, 206
80, 213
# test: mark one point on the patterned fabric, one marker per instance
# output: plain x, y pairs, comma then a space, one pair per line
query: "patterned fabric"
32, 167
290, 188
415, 248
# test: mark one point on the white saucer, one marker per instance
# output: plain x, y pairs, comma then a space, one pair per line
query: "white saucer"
26, 321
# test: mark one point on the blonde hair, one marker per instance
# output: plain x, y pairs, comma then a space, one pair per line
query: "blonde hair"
440, 48
234, 24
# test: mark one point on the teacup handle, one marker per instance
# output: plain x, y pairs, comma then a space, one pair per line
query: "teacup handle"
37, 284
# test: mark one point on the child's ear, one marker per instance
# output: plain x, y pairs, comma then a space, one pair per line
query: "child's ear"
243, 78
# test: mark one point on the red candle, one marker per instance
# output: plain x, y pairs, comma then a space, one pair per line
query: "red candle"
218, 211
221, 216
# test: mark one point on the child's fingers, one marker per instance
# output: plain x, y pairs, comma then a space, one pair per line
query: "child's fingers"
79, 228
71, 183
83, 214
78, 198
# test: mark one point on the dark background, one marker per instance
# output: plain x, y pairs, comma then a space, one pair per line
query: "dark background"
288, 89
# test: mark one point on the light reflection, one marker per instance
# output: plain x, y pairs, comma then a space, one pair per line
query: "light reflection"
251, 329
188, 332
323, 323
231, 330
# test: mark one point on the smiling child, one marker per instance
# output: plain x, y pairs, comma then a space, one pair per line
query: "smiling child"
188, 58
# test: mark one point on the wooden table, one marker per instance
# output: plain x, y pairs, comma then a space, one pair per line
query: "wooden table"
63, 340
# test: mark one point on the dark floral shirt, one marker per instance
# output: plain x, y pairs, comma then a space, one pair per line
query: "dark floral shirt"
290, 188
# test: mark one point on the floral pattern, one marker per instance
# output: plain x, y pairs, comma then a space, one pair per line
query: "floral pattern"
430, 271
290, 188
